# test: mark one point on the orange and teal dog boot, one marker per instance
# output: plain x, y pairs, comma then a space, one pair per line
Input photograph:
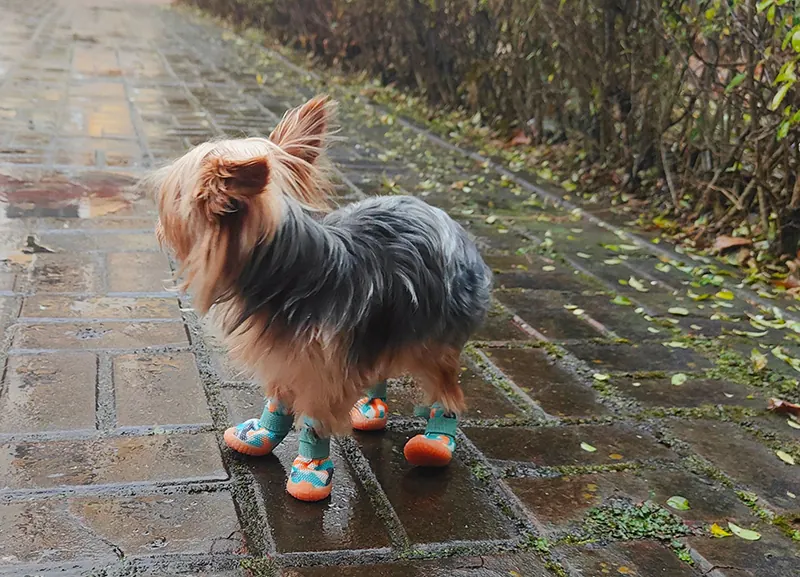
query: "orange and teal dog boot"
311, 477
258, 437
370, 413
435, 447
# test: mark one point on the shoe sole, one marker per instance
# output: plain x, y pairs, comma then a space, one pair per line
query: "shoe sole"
305, 491
422, 452
240, 446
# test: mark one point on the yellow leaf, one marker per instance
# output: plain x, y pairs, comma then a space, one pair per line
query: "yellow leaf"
718, 531
616, 456
785, 457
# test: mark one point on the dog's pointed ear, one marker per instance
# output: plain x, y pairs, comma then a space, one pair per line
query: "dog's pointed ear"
303, 131
225, 183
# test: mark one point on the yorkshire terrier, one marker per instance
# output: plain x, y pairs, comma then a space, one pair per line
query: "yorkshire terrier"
321, 304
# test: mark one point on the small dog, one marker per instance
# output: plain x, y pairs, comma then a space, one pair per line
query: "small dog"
319, 304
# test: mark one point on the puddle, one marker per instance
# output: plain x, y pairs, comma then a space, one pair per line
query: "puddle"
88, 195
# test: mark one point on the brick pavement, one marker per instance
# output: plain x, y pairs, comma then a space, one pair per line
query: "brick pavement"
114, 394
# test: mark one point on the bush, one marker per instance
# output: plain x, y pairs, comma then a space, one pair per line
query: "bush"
702, 93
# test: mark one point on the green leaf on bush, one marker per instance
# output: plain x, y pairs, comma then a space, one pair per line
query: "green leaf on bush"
780, 95
736, 81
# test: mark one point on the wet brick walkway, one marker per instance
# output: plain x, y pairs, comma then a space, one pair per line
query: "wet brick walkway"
114, 395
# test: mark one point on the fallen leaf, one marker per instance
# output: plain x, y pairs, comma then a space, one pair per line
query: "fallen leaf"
621, 300
588, 448
725, 295
612, 261
679, 379
679, 311
793, 424
548, 268
676, 345
678, 503
491, 219
785, 457
583, 255
616, 457
723, 242
718, 531
637, 284
759, 360
746, 534
780, 406
519, 139
625, 570
600, 377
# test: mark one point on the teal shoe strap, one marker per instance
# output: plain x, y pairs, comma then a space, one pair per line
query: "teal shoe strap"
280, 422
442, 426
423, 411
313, 446
377, 392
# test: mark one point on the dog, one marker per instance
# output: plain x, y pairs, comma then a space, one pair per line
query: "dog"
319, 304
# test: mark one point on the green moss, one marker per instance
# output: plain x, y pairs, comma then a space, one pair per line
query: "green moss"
788, 526
682, 551
621, 520
259, 566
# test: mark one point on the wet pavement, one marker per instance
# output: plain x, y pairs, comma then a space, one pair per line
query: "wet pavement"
598, 390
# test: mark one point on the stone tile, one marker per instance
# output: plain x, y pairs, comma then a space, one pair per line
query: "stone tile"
138, 272
178, 523
771, 556
641, 357
637, 559
563, 280
550, 317
724, 444
110, 242
345, 521
521, 565
159, 390
45, 532
559, 446
556, 391
692, 393
454, 509
561, 502
48, 393
499, 326
243, 403
48, 306
103, 335
58, 273
156, 458
484, 400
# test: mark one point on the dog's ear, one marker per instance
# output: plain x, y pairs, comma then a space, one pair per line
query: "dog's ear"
303, 131
225, 183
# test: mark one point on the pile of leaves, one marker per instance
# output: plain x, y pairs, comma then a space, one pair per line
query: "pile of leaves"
619, 519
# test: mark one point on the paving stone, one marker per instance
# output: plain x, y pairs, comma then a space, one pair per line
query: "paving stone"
138, 272
562, 280
48, 393
59, 273
346, 521
453, 508
521, 565
155, 458
49, 306
499, 326
178, 523
724, 444
771, 556
556, 391
693, 393
484, 400
159, 390
550, 317
641, 357
560, 503
559, 446
243, 403
45, 532
103, 335
82, 242
637, 559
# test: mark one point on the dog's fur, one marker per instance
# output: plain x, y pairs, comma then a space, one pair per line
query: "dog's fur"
320, 304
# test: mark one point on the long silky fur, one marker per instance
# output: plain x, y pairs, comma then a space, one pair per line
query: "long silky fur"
320, 304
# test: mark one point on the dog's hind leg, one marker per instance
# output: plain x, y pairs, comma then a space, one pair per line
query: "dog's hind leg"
437, 373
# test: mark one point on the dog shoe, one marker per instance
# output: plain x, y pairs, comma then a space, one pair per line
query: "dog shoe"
310, 479
369, 414
435, 447
258, 437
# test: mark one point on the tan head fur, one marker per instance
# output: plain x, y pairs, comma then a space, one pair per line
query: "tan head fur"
221, 198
